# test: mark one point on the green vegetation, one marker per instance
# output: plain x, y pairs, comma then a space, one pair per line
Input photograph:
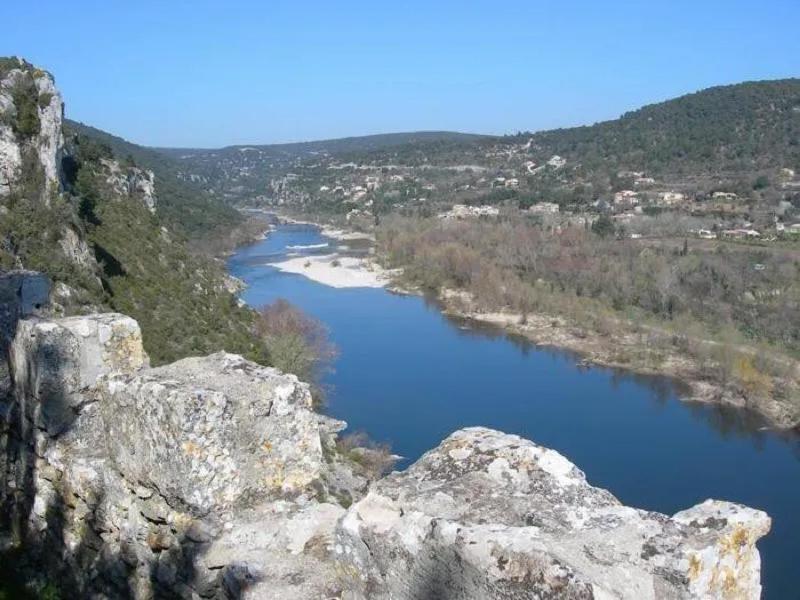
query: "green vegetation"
297, 343
179, 299
109, 252
184, 207
737, 127
26, 100
736, 310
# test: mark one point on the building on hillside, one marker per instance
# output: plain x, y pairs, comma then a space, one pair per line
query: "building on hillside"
741, 233
724, 196
545, 208
626, 197
512, 183
462, 211
671, 198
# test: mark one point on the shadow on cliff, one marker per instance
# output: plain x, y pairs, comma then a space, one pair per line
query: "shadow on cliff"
58, 542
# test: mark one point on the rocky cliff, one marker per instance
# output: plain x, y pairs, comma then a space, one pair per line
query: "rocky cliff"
213, 477
31, 112
92, 221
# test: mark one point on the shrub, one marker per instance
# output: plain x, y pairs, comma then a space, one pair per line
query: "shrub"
374, 458
297, 343
26, 100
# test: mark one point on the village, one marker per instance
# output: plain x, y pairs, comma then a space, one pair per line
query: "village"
504, 180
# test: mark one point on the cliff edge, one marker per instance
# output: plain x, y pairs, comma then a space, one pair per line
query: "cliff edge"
213, 477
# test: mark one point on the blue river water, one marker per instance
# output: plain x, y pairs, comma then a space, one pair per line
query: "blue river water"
409, 376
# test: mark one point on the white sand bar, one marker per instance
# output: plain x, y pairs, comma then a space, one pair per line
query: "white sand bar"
348, 272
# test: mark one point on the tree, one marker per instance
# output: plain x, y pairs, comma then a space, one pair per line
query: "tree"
603, 226
297, 343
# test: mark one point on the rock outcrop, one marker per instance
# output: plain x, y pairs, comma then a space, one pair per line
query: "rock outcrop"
213, 477
491, 515
31, 113
134, 182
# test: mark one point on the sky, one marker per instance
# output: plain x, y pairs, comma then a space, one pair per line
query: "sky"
209, 74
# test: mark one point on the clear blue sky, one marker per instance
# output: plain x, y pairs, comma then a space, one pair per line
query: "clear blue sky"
200, 73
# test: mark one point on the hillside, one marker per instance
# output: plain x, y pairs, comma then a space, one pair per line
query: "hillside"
365, 143
741, 139
107, 221
238, 173
184, 205
753, 125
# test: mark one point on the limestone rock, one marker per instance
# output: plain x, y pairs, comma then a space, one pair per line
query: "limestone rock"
133, 182
213, 477
22, 294
285, 548
46, 142
210, 432
54, 362
491, 515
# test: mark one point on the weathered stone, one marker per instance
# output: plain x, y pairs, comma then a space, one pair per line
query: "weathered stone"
491, 515
45, 143
22, 294
213, 477
132, 182
211, 432
55, 361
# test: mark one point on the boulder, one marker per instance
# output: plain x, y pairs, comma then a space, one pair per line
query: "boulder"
22, 294
491, 515
55, 362
215, 431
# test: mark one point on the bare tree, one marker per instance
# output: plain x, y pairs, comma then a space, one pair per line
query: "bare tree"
297, 343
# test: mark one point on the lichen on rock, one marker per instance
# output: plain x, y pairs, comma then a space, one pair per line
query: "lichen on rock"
491, 515
213, 477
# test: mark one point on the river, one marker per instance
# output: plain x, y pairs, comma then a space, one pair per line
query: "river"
409, 376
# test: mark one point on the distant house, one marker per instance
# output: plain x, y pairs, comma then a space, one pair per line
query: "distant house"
626, 197
724, 196
671, 198
741, 233
462, 211
707, 234
643, 181
512, 183
548, 208
556, 161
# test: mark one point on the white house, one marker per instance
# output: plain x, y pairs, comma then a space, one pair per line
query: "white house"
549, 208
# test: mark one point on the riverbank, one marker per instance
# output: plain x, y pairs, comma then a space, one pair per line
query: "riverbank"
337, 270
643, 351
635, 347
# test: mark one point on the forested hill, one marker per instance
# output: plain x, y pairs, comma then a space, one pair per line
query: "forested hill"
183, 205
734, 133
366, 143
747, 126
